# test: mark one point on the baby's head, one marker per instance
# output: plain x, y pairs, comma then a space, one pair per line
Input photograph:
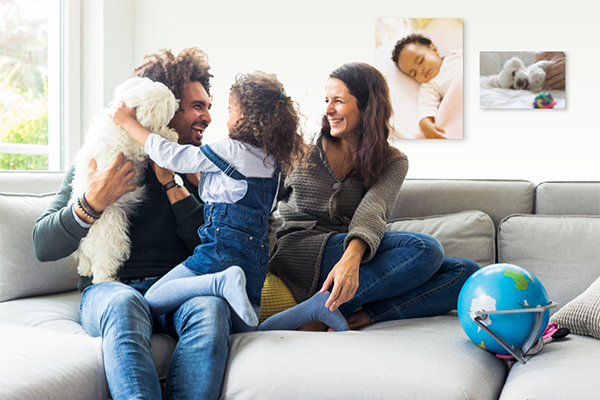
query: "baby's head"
417, 57
261, 114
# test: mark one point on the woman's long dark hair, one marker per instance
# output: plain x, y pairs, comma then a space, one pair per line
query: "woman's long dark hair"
372, 94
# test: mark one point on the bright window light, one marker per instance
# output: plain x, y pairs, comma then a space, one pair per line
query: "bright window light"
30, 37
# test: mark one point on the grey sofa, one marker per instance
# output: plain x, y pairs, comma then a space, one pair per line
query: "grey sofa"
552, 229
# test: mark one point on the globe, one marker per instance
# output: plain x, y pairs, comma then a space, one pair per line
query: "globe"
502, 287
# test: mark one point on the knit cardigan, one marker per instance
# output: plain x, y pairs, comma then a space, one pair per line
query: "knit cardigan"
315, 205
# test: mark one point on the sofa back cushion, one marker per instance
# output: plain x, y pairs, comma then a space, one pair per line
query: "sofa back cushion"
468, 234
21, 274
562, 251
496, 198
567, 198
37, 182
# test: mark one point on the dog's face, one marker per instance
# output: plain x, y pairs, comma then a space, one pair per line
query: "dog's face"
514, 75
155, 104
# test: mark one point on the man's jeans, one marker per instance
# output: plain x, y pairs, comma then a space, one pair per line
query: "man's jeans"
408, 277
119, 314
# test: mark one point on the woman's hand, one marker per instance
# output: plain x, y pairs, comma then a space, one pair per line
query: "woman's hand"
344, 275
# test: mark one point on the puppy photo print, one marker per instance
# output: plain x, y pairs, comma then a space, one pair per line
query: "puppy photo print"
422, 60
524, 80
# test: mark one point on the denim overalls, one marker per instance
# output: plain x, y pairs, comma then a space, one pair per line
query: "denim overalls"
236, 234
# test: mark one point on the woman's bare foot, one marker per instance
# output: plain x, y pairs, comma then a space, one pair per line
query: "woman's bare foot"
358, 319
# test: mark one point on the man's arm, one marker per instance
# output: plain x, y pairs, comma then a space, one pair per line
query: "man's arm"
56, 233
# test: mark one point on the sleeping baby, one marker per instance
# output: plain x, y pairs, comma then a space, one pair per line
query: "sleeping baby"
418, 57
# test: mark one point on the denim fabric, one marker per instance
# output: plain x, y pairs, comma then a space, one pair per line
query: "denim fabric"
237, 234
408, 277
119, 314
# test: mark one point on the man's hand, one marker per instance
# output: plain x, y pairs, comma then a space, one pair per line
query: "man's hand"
108, 185
431, 130
163, 175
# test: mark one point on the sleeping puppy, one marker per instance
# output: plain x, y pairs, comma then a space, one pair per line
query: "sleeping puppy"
514, 75
106, 246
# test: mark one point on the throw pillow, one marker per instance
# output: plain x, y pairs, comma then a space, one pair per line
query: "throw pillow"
467, 234
582, 314
21, 274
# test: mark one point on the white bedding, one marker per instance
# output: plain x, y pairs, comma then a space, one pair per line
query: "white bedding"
498, 98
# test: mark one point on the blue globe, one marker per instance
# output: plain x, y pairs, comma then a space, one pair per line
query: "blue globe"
502, 287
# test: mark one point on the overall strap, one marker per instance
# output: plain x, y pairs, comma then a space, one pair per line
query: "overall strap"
227, 168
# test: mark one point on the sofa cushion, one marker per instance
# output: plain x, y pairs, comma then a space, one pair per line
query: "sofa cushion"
421, 358
562, 251
467, 234
566, 369
37, 182
21, 274
42, 364
497, 198
582, 315
567, 198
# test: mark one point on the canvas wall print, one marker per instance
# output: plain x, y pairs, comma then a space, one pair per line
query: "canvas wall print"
522, 80
422, 59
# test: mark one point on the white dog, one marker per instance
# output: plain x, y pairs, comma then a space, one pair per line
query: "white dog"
514, 75
107, 245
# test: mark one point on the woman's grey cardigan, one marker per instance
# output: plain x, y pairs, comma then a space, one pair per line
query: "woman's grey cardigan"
316, 205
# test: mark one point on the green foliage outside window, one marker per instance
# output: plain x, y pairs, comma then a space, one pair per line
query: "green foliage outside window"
23, 80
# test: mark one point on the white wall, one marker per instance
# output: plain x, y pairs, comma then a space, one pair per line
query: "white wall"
303, 41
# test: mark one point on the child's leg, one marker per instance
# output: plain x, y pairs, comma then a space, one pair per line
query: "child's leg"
181, 284
312, 309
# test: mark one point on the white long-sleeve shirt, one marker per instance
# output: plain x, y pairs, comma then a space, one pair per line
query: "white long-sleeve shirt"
431, 93
218, 187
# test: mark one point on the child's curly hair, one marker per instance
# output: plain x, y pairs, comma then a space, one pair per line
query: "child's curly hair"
190, 65
405, 41
270, 119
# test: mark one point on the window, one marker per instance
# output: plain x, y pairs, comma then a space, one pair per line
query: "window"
32, 67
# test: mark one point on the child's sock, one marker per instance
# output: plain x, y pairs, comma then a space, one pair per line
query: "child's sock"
229, 285
312, 309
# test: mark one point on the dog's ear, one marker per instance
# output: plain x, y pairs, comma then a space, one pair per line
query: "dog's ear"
157, 107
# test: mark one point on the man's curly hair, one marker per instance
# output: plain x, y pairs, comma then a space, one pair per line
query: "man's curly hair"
270, 119
405, 41
190, 65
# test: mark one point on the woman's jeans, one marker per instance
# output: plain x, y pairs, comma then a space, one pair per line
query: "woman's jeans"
120, 315
408, 277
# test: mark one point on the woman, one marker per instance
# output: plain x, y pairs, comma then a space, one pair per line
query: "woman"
335, 209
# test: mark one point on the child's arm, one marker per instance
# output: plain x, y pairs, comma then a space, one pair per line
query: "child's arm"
430, 129
125, 117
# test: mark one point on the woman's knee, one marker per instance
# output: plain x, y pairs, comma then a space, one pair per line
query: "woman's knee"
425, 244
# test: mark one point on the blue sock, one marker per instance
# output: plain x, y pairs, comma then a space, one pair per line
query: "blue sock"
175, 289
312, 309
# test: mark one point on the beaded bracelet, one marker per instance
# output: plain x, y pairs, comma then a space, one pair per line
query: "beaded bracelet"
87, 206
85, 211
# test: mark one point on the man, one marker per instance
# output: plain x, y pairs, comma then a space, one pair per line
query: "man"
163, 233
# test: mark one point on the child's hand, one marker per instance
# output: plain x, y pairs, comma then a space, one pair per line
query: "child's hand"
431, 130
123, 115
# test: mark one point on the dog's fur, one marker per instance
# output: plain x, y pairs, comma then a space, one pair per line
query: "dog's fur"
106, 246
514, 75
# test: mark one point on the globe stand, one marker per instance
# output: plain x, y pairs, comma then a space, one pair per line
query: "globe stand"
517, 352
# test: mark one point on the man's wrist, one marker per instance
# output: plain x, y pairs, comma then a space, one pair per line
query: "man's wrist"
175, 182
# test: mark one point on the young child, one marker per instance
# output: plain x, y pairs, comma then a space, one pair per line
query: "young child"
239, 184
418, 57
